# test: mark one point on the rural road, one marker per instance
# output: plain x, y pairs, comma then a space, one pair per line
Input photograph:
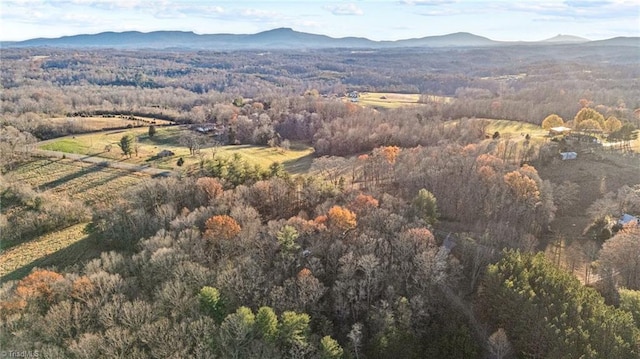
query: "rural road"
104, 161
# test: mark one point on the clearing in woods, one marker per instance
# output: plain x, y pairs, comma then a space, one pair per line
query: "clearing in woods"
105, 144
96, 183
91, 183
596, 174
514, 128
395, 100
62, 248
78, 124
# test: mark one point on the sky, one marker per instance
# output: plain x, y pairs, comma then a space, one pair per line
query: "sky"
500, 20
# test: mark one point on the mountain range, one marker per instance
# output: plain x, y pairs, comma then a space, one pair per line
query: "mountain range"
281, 38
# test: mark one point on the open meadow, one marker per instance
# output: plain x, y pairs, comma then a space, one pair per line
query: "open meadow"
79, 124
297, 159
395, 100
90, 183
508, 128
63, 248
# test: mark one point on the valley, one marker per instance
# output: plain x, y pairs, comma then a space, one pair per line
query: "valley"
417, 198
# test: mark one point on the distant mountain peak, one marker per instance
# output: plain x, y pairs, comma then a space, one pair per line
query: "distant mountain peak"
281, 29
566, 38
279, 38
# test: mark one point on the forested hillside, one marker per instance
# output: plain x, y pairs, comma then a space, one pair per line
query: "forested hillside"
441, 229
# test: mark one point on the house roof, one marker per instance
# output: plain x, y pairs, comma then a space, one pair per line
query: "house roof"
627, 218
560, 129
569, 155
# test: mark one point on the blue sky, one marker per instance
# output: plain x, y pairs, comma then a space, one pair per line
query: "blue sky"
375, 19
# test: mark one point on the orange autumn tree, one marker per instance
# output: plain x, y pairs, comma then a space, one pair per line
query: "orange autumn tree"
363, 202
523, 187
82, 289
304, 273
39, 285
221, 226
390, 153
341, 218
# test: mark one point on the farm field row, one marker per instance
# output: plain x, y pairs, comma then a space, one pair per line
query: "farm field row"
88, 182
98, 123
105, 144
61, 248
395, 100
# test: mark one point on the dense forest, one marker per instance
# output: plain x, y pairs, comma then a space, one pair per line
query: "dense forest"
416, 233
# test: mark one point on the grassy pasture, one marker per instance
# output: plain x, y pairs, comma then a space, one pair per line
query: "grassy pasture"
296, 160
515, 128
97, 123
167, 138
90, 183
61, 248
395, 100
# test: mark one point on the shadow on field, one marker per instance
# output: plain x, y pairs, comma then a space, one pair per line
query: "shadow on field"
75, 254
82, 172
299, 165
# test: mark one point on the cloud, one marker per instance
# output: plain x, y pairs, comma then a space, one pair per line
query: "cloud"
344, 9
260, 15
586, 4
187, 10
103, 4
576, 10
426, 2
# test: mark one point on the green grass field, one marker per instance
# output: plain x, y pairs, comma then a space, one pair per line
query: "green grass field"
68, 145
167, 138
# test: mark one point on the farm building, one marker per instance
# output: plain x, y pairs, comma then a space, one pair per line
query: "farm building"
165, 153
558, 131
208, 128
353, 96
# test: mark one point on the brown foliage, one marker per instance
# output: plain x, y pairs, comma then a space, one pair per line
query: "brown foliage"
210, 187
223, 227
621, 255
341, 218
82, 288
522, 186
321, 220
12, 306
422, 235
38, 285
304, 272
363, 202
